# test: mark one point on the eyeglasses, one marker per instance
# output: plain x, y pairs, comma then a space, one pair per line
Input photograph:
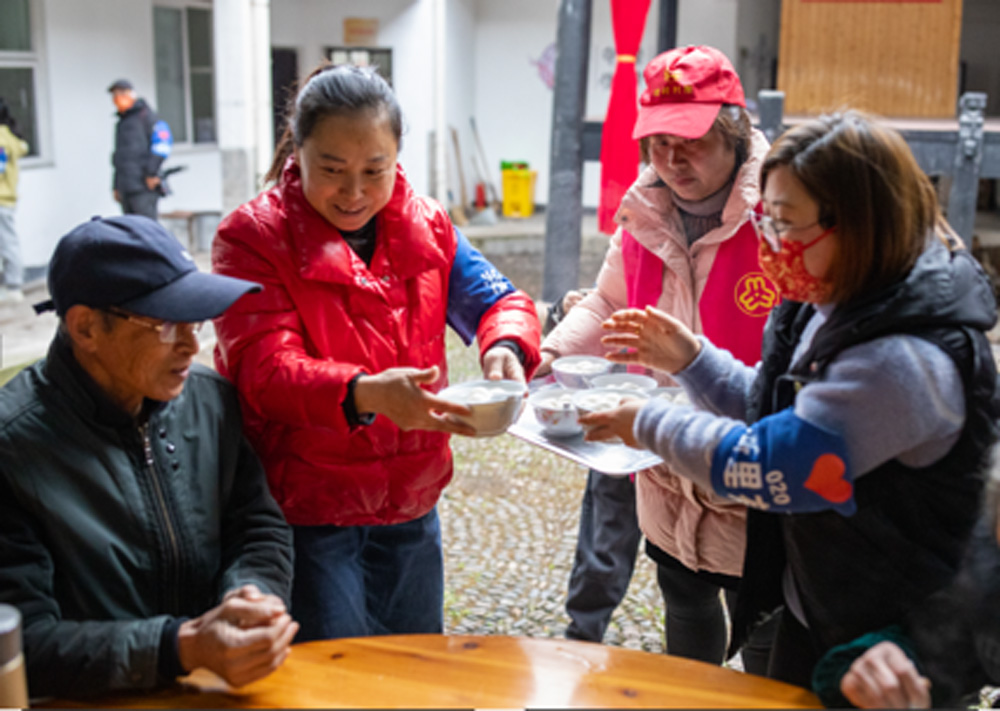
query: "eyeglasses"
167, 330
769, 231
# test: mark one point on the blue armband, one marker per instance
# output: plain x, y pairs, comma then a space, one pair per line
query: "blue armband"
162, 140
784, 464
473, 287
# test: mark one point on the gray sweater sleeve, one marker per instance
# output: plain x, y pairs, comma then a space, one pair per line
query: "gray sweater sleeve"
898, 397
717, 382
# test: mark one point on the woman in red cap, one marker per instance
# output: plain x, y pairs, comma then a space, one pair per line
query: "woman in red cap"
684, 245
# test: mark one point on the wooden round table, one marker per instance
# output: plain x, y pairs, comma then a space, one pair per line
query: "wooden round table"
476, 672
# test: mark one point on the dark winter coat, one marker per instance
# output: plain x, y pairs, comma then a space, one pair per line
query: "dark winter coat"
111, 531
134, 159
325, 317
862, 572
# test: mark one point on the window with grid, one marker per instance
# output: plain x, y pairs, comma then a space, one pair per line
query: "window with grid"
20, 64
185, 71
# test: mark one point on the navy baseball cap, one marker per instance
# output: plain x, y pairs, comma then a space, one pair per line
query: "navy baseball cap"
120, 85
134, 264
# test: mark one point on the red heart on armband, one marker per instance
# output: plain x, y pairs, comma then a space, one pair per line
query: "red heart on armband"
827, 479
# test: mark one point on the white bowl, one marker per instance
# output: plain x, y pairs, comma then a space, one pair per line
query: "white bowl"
575, 372
672, 394
555, 412
495, 404
600, 399
624, 381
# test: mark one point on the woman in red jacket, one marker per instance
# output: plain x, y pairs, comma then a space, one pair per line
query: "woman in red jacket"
337, 360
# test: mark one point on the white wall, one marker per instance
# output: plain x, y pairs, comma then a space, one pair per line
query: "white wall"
497, 54
460, 92
409, 34
404, 25
514, 104
86, 46
73, 180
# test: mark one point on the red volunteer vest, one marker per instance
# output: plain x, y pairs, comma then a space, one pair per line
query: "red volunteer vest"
737, 296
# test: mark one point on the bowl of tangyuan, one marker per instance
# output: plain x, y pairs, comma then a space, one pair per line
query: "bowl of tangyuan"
633, 382
601, 399
495, 404
674, 394
575, 372
555, 412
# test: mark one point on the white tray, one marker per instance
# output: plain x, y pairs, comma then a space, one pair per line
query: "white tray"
615, 459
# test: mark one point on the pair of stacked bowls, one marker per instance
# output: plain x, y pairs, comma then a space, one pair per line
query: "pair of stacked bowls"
588, 385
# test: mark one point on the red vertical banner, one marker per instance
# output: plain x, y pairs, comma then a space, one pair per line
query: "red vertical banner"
619, 151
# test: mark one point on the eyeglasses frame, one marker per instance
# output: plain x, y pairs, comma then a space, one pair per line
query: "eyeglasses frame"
768, 232
167, 331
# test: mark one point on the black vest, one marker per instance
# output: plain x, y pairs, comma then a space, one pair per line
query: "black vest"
860, 573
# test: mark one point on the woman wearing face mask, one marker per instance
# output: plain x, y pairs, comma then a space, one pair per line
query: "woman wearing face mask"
866, 425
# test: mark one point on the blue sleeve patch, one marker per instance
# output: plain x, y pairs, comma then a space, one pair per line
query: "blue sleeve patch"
162, 140
784, 464
473, 287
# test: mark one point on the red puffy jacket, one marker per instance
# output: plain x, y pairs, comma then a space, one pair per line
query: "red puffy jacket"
323, 318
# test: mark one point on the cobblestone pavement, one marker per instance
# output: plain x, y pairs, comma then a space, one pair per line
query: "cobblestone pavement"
509, 524
510, 517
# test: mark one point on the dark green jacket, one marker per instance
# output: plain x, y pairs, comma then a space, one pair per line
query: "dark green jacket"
110, 531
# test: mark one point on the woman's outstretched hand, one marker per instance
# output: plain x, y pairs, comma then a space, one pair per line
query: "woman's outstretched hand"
608, 424
396, 393
651, 338
885, 678
500, 363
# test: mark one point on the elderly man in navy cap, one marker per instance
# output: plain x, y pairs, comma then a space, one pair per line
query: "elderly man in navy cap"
138, 537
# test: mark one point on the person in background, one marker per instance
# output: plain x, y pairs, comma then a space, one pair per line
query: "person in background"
861, 439
13, 147
142, 143
138, 538
338, 360
684, 244
558, 309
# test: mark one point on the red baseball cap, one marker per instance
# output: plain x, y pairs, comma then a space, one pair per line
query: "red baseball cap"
685, 88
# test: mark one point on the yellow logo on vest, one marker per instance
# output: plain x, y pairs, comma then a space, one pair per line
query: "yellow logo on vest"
755, 294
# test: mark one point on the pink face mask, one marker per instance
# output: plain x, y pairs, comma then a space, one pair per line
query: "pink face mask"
787, 269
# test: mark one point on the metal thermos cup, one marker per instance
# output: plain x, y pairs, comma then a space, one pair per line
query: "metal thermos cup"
13, 684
